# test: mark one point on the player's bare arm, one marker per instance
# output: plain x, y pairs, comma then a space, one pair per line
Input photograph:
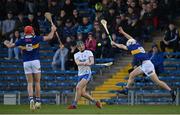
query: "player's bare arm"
90, 61
51, 34
121, 46
124, 33
79, 63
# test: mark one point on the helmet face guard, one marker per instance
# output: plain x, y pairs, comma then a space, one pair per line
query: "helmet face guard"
130, 42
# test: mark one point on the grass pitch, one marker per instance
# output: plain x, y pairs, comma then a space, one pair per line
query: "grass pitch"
91, 109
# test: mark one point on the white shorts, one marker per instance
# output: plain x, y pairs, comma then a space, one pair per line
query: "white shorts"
32, 67
147, 67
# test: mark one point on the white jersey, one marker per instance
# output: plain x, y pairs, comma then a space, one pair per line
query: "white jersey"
83, 57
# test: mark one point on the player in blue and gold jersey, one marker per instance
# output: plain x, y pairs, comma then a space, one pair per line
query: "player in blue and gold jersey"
146, 66
30, 50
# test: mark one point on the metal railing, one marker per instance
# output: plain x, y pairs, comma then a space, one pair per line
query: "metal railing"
58, 98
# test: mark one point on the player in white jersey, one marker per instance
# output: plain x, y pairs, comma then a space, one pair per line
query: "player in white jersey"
84, 59
30, 47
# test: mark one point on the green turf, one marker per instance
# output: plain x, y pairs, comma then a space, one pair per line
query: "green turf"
107, 109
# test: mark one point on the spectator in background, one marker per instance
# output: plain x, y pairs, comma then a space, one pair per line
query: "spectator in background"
30, 6
68, 7
11, 6
20, 23
129, 2
143, 10
40, 16
104, 46
60, 24
20, 6
0, 31
147, 22
70, 64
135, 8
60, 57
97, 30
80, 37
34, 23
110, 17
3, 12
156, 14
116, 23
171, 38
153, 1
163, 13
115, 50
98, 15
54, 7
90, 43
171, 8
62, 17
43, 23
133, 23
124, 21
14, 39
121, 6
8, 25
68, 42
105, 4
69, 29
85, 27
157, 58
75, 17
132, 19
42, 5
148, 16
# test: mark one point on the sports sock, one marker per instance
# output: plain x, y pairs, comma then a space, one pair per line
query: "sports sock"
74, 103
30, 98
38, 99
94, 101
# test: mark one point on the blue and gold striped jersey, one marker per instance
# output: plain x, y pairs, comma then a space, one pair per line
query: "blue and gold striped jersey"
30, 47
138, 52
